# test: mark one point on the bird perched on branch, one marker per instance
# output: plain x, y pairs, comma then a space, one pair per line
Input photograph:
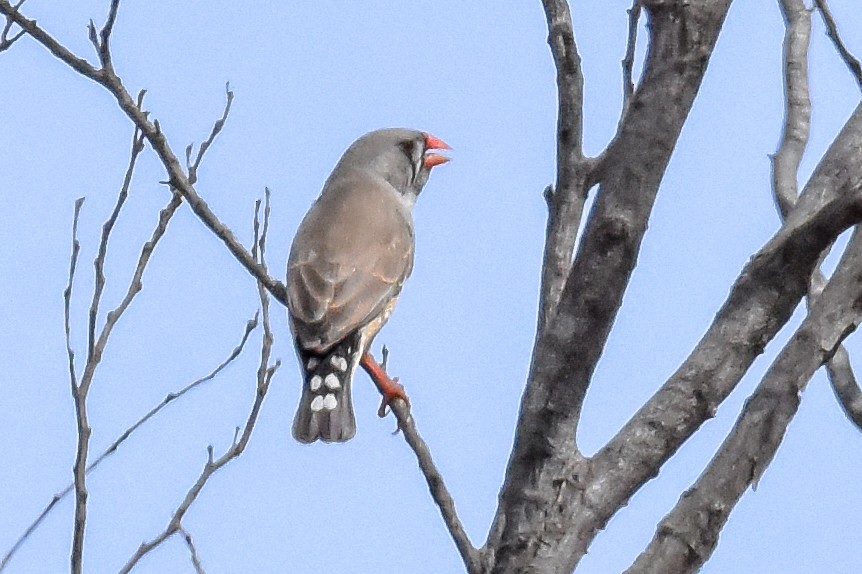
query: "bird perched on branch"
347, 264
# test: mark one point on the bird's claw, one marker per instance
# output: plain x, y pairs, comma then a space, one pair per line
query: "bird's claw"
390, 392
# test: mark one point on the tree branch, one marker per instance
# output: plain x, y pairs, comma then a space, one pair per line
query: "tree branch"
5, 40
759, 304
832, 31
566, 199
436, 485
99, 263
688, 535
845, 386
265, 373
545, 471
170, 398
629, 59
786, 166
192, 167
797, 105
80, 407
177, 177
193, 551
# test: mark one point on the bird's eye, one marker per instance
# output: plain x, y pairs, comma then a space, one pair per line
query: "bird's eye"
413, 150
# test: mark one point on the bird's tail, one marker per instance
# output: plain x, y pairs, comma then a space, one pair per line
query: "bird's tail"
326, 408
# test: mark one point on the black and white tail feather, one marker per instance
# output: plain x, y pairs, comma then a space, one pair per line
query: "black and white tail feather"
326, 408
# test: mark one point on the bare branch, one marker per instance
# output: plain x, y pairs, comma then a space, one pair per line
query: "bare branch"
785, 167
30, 28
105, 35
436, 485
832, 32
136, 284
177, 178
79, 396
760, 303
95, 351
540, 493
67, 294
6, 41
566, 199
170, 398
192, 168
687, 536
265, 373
193, 551
845, 386
629, 59
99, 263
797, 105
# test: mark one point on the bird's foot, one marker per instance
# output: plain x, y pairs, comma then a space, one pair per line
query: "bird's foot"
389, 387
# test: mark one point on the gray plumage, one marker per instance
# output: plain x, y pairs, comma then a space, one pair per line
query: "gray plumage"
347, 264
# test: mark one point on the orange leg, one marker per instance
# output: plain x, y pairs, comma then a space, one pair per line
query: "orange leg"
388, 387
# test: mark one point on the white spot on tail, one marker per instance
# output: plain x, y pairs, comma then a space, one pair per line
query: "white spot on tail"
315, 383
312, 363
317, 404
329, 402
339, 363
331, 381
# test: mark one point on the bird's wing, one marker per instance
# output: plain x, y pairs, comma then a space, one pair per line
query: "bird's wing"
350, 257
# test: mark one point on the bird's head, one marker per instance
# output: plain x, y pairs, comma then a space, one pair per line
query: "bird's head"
402, 157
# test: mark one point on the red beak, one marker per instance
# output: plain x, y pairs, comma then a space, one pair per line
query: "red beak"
434, 159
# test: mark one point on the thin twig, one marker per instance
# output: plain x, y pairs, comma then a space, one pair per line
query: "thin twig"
193, 551
436, 485
5, 41
136, 284
99, 263
192, 167
832, 31
628, 60
96, 350
265, 373
170, 398
80, 409
177, 178
67, 293
94, 356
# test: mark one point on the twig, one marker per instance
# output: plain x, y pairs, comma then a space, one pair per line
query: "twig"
832, 32
99, 263
80, 409
193, 551
170, 398
628, 60
5, 41
265, 373
177, 178
436, 485
97, 346
192, 167
67, 293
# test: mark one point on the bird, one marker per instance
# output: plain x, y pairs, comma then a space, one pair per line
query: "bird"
348, 261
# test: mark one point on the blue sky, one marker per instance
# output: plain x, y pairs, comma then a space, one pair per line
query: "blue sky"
309, 78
